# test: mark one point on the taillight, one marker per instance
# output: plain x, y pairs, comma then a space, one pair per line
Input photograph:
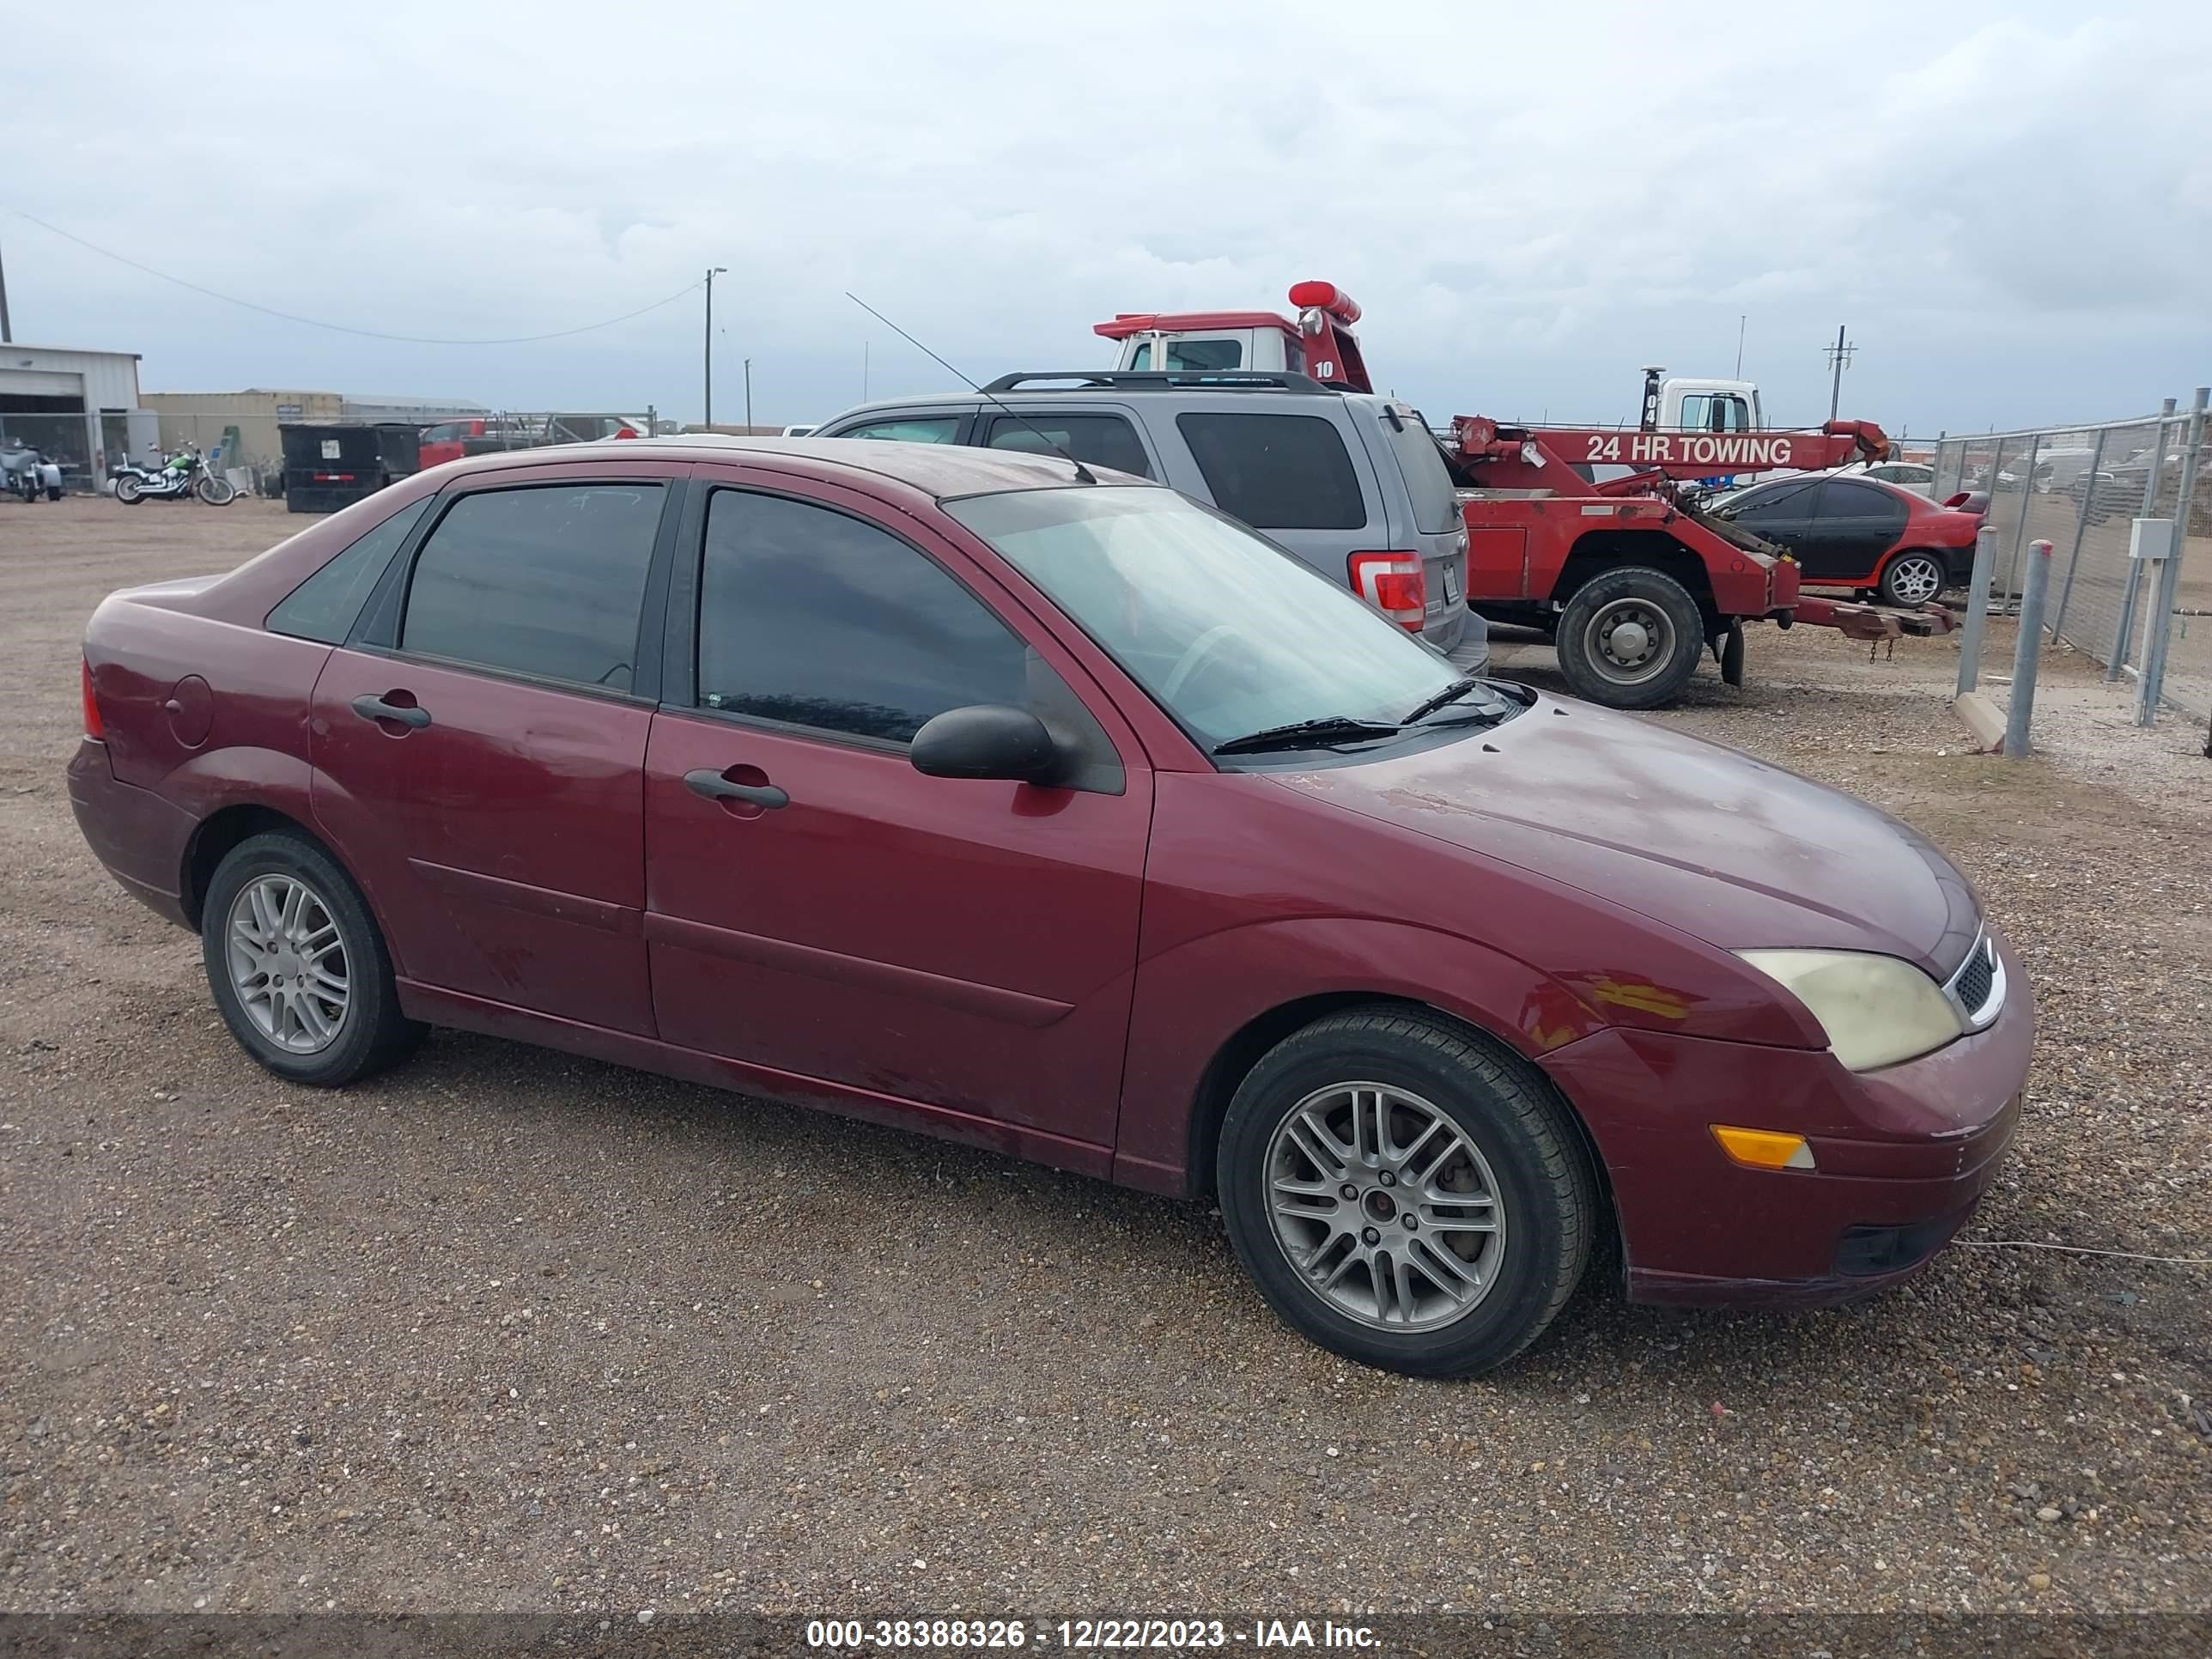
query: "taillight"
1393, 584
93, 727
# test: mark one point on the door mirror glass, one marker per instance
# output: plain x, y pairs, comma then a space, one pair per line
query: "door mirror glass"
988, 740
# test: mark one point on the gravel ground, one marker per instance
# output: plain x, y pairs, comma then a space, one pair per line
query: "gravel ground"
511, 1330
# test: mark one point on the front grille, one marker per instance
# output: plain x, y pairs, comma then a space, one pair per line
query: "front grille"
1977, 978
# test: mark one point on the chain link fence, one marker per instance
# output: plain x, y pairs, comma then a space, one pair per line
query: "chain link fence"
2081, 488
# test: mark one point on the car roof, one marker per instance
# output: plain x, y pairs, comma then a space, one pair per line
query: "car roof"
1100, 392
942, 471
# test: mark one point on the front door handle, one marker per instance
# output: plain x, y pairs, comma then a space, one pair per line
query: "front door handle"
714, 786
376, 708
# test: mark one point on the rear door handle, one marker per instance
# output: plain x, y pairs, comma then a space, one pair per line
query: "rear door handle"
376, 708
714, 786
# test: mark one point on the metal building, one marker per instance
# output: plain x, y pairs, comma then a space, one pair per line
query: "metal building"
76, 406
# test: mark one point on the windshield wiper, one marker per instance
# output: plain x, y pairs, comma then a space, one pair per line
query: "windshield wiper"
1306, 734
1451, 693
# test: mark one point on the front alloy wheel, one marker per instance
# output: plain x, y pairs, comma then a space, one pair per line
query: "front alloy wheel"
1405, 1192
1386, 1206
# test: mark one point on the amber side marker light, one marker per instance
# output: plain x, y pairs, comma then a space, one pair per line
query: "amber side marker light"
1763, 1148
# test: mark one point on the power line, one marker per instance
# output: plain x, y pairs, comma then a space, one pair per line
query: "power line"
340, 328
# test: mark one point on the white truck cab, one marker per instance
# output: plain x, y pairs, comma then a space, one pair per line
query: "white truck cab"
1688, 404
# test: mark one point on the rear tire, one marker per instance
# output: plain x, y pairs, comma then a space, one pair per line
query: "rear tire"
1911, 579
1631, 638
299, 971
126, 490
1437, 1296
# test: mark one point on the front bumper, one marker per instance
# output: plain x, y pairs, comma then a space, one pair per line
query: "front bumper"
1903, 1156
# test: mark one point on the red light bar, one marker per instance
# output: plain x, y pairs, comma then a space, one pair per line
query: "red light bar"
1326, 297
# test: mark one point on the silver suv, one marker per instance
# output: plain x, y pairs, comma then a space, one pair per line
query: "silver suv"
1349, 482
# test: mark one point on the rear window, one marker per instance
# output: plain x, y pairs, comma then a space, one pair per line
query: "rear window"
1276, 471
913, 429
1103, 439
1435, 508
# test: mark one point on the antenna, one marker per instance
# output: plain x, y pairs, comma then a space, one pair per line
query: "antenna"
1083, 474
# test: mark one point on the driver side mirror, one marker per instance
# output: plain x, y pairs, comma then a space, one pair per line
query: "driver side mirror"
989, 740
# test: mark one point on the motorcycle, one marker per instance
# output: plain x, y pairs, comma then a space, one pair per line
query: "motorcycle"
24, 472
180, 475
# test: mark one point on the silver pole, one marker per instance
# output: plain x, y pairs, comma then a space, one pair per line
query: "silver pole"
1978, 607
2028, 650
2158, 626
2019, 532
2080, 528
2119, 662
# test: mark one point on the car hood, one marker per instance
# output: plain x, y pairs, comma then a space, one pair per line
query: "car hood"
1725, 848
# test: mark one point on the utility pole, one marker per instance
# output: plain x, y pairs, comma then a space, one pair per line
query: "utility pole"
748, 392
863, 371
1840, 355
712, 271
1741, 319
7, 333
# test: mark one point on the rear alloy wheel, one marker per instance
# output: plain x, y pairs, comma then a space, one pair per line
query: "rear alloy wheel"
299, 971
1911, 579
1404, 1195
1631, 639
126, 490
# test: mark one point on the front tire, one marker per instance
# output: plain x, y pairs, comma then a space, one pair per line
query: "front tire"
299, 971
1911, 579
127, 490
216, 492
1631, 639
1472, 1206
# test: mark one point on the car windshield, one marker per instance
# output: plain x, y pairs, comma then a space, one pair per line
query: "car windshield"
1225, 631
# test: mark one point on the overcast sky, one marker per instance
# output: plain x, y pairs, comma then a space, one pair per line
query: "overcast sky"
2010, 206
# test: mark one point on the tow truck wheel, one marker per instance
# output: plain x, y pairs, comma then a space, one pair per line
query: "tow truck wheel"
1911, 579
1631, 639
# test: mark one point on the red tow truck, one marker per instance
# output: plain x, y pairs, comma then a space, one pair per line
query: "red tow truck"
1628, 578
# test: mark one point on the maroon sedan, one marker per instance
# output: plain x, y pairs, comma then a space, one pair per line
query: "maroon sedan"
966, 792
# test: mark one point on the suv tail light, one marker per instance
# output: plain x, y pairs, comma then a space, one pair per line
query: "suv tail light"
1393, 584
93, 727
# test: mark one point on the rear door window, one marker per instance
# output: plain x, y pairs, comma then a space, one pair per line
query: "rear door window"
547, 581
908, 429
1276, 471
1103, 439
324, 606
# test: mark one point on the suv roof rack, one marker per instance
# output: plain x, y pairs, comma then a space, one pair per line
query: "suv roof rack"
1132, 379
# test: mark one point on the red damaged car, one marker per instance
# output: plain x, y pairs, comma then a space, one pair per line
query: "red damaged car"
979, 793
1847, 530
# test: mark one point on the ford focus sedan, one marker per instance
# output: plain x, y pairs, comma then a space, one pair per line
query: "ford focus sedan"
1042, 809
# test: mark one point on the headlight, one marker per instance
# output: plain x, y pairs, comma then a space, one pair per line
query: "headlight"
1876, 1010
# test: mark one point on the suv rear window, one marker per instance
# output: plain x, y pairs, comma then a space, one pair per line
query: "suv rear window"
1435, 508
1276, 471
1103, 439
